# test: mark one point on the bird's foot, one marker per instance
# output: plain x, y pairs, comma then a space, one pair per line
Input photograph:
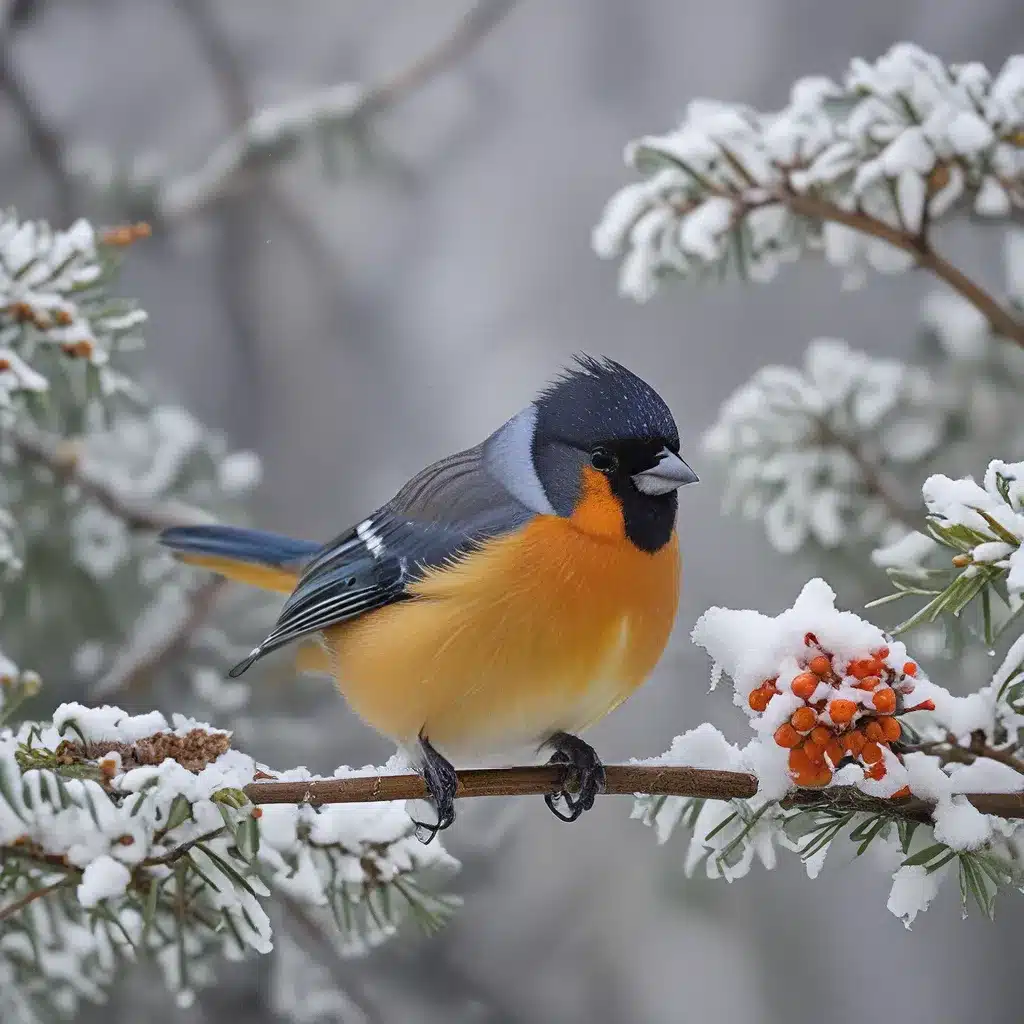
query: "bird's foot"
583, 779
441, 781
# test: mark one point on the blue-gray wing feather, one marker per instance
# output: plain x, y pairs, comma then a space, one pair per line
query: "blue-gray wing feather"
441, 514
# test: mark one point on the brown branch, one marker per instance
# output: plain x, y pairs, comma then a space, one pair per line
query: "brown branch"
474, 26
64, 459
36, 894
1000, 319
136, 667
876, 480
622, 780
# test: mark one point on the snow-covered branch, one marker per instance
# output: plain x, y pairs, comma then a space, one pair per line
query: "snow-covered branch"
127, 835
858, 170
841, 712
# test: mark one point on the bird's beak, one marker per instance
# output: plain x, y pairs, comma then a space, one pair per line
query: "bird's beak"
667, 474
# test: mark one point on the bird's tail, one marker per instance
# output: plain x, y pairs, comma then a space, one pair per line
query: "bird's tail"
267, 560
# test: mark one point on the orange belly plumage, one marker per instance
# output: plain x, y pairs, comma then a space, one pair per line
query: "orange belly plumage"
547, 629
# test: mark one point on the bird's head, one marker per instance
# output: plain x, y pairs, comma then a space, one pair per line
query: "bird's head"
604, 453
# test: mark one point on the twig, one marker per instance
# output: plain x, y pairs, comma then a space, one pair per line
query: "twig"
64, 459
474, 26
875, 479
1000, 319
36, 894
700, 783
271, 135
179, 851
135, 668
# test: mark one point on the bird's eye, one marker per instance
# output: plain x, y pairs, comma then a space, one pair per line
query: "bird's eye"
603, 461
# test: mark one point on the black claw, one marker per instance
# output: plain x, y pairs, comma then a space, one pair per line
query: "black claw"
441, 780
584, 776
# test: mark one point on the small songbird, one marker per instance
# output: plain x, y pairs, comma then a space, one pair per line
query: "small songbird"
509, 595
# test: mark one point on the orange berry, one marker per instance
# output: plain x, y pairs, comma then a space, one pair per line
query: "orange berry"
891, 730
759, 698
882, 653
823, 776
805, 684
859, 668
806, 777
925, 705
873, 731
910, 668
872, 753
884, 700
834, 751
821, 735
854, 741
842, 711
820, 665
815, 752
876, 771
787, 736
799, 761
869, 682
803, 719
900, 793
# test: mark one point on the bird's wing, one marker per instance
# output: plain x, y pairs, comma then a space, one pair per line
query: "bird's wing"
442, 513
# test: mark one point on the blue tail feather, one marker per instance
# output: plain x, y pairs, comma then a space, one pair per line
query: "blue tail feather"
236, 542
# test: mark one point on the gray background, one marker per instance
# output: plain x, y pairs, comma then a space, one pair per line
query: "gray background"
419, 307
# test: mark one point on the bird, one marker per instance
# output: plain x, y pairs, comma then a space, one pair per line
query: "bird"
508, 596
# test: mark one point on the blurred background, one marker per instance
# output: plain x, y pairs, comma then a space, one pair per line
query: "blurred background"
351, 314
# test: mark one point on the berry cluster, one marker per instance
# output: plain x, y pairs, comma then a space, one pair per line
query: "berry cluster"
847, 715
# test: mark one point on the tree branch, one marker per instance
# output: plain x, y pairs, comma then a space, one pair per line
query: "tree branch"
36, 894
137, 666
271, 135
64, 459
875, 479
1000, 319
622, 780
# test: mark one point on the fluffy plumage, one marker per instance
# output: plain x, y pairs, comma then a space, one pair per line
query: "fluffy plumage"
511, 593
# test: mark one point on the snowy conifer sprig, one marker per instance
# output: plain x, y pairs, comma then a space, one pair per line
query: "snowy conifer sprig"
124, 836
858, 170
90, 465
819, 453
56, 313
836, 706
977, 531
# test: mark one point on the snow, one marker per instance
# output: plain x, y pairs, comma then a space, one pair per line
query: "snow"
102, 878
795, 441
906, 553
904, 123
752, 649
118, 833
913, 890
962, 502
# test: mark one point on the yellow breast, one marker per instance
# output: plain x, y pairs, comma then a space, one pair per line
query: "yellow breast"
547, 629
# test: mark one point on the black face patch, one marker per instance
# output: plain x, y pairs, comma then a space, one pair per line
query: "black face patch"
603, 415
649, 518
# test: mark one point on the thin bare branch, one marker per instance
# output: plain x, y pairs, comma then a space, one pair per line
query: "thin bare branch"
270, 136
64, 459
622, 780
36, 894
1000, 319
136, 667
